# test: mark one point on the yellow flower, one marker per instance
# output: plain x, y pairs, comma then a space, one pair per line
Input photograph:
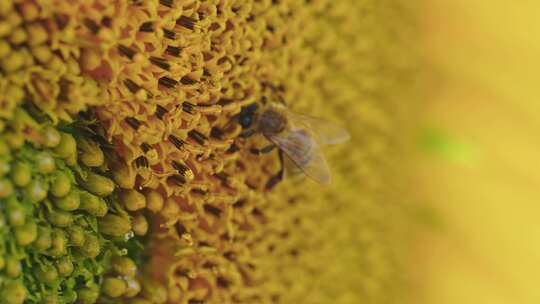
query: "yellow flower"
146, 96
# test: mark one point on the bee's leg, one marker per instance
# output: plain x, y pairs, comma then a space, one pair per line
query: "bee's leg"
264, 150
247, 133
275, 179
281, 165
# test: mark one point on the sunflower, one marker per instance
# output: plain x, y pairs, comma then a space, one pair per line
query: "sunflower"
126, 177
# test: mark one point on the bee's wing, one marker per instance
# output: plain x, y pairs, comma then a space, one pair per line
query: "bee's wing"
325, 132
300, 147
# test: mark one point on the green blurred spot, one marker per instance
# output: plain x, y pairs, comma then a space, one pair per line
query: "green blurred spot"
437, 142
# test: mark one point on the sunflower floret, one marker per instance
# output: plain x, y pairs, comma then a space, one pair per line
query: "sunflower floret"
62, 222
166, 79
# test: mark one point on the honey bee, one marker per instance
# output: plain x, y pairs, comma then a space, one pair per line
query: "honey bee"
298, 136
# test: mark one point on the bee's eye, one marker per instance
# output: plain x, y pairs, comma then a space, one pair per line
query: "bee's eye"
246, 115
245, 121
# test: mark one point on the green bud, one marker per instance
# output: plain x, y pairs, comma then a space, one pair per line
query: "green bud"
69, 202
140, 225
4, 148
76, 235
124, 175
70, 296
13, 267
36, 191
154, 291
154, 200
88, 295
102, 209
61, 184
45, 163
46, 273
124, 266
64, 266
114, 225
60, 218
72, 160
97, 184
44, 239
90, 153
4, 167
133, 287
67, 147
81, 221
51, 299
21, 120
91, 247
51, 137
14, 141
13, 293
6, 188
113, 287
26, 233
132, 200
59, 243
93, 204
16, 215
21, 174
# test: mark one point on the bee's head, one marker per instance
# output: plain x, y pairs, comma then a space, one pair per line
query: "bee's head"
247, 114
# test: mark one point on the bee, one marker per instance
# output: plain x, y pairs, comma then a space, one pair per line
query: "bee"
298, 136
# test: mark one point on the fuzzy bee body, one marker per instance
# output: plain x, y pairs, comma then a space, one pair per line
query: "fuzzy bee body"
297, 136
272, 122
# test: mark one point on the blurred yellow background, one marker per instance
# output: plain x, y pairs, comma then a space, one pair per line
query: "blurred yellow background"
480, 181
